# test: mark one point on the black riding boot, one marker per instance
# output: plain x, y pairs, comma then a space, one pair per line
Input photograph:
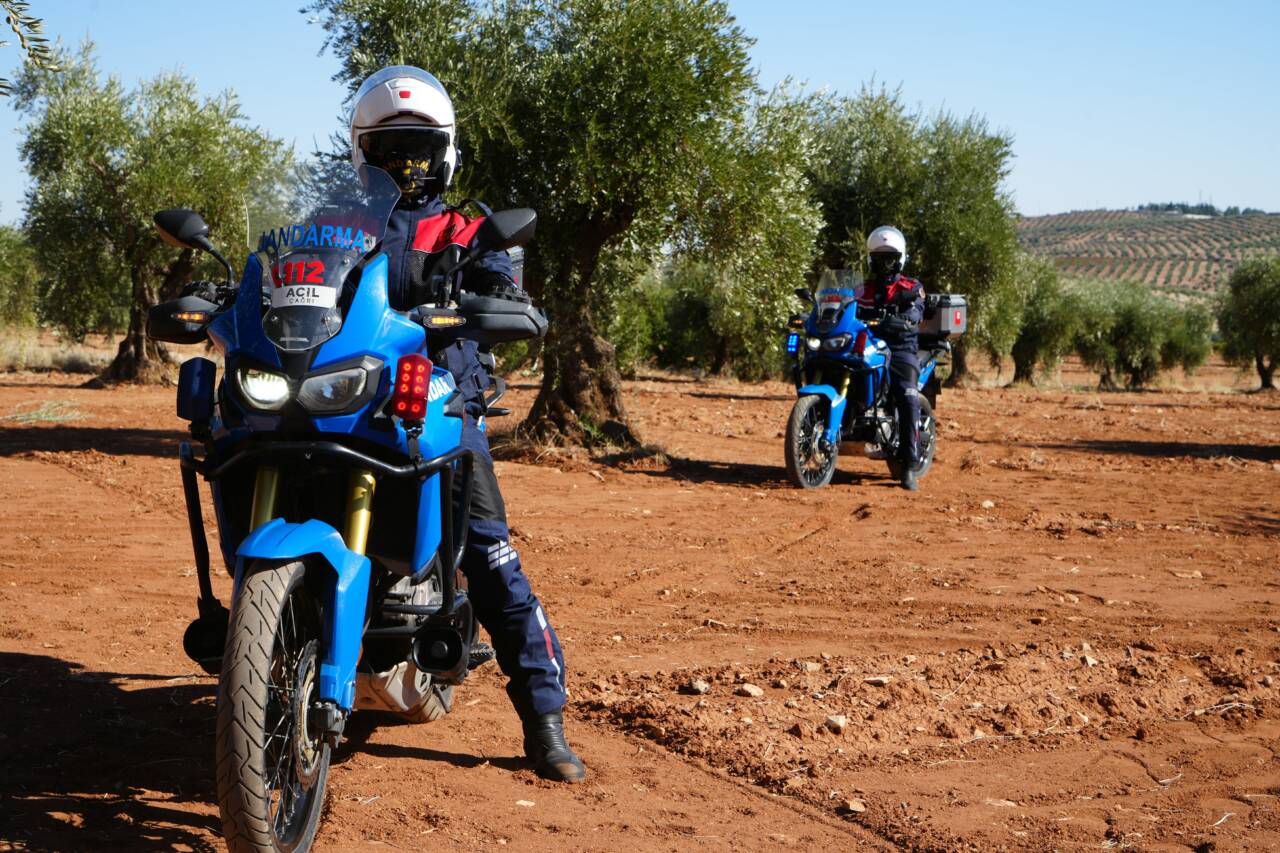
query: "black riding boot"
546, 747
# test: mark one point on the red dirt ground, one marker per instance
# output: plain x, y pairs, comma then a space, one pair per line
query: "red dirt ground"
1068, 639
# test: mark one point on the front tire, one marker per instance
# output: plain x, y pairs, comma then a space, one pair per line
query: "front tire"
272, 768
811, 461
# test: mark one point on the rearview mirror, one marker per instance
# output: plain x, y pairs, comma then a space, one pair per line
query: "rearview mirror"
181, 321
187, 229
507, 228
803, 293
183, 228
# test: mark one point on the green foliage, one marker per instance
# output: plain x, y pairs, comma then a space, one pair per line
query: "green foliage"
749, 236
937, 178
31, 40
17, 278
1249, 317
103, 159
1128, 332
1048, 319
595, 112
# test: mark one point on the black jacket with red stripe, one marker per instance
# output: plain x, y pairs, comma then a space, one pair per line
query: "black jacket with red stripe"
416, 236
904, 297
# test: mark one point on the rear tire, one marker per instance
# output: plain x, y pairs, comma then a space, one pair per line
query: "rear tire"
928, 427
433, 707
271, 769
808, 465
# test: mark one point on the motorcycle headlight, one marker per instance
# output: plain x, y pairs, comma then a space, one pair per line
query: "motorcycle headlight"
339, 390
813, 343
262, 388
332, 392
835, 343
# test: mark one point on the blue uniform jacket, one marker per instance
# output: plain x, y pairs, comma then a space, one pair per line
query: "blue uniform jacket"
416, 235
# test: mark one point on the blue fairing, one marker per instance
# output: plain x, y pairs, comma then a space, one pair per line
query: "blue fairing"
926, 371
370, 327
240, 329
345, 601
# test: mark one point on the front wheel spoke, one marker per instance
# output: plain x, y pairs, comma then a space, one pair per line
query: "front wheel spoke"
275, 731
285, 804
283, 762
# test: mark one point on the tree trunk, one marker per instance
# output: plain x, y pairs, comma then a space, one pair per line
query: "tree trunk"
720, 357
140, 359
959, 364
1024, 371
1266, 371
580, 401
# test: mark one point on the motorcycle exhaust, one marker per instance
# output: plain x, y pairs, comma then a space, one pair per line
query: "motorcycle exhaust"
441, 652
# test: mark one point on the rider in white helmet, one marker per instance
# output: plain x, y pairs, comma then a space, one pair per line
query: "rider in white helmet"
903, 298
403, 123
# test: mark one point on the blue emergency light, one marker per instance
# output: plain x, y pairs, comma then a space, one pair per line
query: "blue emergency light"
793, 343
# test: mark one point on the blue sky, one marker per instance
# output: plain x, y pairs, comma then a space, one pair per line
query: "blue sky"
1110, 104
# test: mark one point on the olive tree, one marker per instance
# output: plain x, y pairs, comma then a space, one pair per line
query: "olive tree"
1249, 317
1047, 319
103, 159
1126, 331
31, 39
17, 278
748, 238
595, 112
938, 178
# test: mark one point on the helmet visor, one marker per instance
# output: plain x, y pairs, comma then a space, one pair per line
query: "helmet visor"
885, 263
404, 144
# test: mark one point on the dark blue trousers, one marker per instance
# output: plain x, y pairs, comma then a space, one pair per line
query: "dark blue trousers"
527, 648
904, 379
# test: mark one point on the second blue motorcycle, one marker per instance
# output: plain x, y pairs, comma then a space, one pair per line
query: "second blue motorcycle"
840, 367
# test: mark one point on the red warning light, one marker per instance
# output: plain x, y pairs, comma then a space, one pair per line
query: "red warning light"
413, 376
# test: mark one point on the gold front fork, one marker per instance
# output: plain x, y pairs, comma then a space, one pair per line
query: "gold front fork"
359, 509
264, 496
844, 386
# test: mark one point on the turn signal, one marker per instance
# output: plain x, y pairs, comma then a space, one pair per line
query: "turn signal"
413, 377
192, 316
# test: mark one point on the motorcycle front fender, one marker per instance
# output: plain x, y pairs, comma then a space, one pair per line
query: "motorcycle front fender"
346, 593
835, 409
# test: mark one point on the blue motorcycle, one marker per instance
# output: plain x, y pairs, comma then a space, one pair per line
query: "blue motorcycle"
841, 372
331, 444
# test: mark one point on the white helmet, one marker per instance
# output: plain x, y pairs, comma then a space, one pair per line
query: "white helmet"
886, 238
403, 122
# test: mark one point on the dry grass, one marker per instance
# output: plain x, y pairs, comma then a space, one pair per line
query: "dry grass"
28, 349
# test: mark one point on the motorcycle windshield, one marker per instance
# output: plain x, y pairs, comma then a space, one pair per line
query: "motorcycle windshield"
837, 288
310, 238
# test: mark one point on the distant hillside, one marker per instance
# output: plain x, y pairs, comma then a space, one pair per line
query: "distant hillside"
1169, 251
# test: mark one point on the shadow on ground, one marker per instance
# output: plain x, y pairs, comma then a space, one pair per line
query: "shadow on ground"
1159, 449
115, 441
364, 724
86, 764
744, 474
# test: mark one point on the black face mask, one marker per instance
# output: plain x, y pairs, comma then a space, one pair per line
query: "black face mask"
885, 266
413, 176
411, 156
